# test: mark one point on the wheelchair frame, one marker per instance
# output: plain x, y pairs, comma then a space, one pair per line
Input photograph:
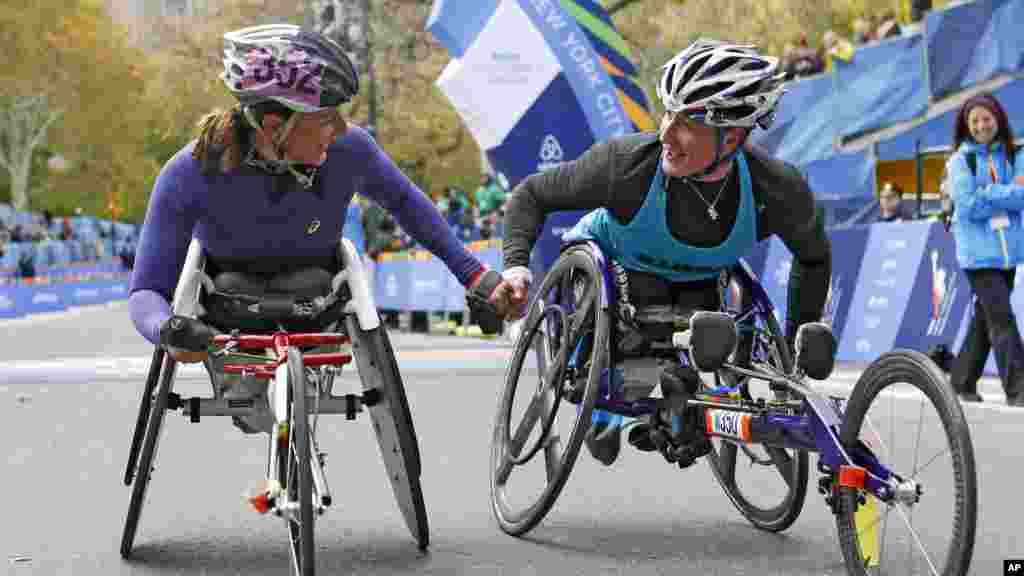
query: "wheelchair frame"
797, 417
383, 396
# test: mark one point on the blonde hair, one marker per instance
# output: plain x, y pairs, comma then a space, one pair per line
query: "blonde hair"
219, 133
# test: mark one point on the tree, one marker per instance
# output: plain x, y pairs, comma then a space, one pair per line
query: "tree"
24, 121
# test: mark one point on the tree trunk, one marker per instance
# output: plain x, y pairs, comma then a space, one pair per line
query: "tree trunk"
20, 171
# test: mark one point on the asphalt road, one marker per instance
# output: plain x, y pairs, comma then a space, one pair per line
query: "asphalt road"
69, 390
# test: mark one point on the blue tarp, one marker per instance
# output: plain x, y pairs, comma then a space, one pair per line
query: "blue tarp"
805, 127
938, 131
843, 176
935, 132
973, 42
881, 85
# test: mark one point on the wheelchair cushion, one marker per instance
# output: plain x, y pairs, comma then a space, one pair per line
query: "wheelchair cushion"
258, 303
713, 339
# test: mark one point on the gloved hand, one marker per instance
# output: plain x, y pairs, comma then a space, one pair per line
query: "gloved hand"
518, 279
487, 299
186, 339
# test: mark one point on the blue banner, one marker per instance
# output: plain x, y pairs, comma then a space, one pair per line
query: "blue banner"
941, 294
428, 282
843, 176
937, 131
392, 284
882, 84
883, 289
539, 140
804, 129
848, 249
973, 42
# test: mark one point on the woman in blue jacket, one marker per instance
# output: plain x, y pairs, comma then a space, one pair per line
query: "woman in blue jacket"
986, 176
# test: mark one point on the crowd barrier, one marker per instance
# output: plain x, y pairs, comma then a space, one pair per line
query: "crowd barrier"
893, 285
21, 298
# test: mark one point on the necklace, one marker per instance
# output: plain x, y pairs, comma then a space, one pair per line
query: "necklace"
712, 213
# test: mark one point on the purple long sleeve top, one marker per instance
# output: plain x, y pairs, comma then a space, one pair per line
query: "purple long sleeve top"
238, 216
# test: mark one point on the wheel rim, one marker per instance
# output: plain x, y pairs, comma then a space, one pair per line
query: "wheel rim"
548, 343
903, 422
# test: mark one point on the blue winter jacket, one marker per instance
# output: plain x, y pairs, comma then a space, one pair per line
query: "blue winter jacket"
982, 207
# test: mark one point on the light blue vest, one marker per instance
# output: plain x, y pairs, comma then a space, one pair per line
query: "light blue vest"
645, 244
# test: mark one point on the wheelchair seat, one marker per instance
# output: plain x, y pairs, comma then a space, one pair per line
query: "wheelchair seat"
299, 299
653, 328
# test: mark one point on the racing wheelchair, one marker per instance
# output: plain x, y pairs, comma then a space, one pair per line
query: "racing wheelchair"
750, 407
296, 371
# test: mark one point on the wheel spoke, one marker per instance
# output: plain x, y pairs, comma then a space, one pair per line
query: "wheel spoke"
552, 445
917, 539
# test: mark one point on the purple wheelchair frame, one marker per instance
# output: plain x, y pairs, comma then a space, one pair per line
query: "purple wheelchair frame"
815, 429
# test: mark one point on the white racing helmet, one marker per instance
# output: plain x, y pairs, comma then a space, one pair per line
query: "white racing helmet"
723, 84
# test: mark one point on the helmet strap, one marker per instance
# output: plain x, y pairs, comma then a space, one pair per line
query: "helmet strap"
719, 157
275, 158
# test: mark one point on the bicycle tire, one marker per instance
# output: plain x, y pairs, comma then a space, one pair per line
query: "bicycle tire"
392, 410
519, 522
299, 461
150, 444
909, 366
723, 466
142, 420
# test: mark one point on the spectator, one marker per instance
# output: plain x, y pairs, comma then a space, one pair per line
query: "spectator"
379, 228
489, 196
918, 9
836, 47
803, 61
986, 172
890, 204
862, 32
889, 27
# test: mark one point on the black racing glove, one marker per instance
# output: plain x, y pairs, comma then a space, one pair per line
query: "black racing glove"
186, 334
485, 313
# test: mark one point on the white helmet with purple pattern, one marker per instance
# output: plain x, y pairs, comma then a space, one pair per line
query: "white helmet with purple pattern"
302, 70
723, 84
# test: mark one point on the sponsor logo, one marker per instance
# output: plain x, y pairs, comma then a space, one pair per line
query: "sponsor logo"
312, 227
890, 264
391, 286
885, 282
427, 285
944, 288
83, 293
871, 321
729, 424
863, 345
894, 244
878, 302
551, 154
45, 298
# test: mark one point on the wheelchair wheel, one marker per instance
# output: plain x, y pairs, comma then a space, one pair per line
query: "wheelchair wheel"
393, 424
299, 478
768, 485
150, 442
142, 420
904, 412
566, 335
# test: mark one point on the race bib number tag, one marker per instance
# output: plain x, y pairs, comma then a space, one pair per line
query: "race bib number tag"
728, 424
999, 221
